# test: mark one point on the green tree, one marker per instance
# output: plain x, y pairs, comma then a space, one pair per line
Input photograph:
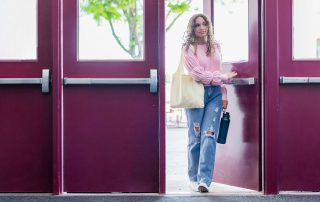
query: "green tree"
130, 12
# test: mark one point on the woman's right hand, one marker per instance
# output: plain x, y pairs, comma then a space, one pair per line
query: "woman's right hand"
232, 74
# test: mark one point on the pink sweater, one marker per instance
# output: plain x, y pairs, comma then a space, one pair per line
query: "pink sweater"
206, 69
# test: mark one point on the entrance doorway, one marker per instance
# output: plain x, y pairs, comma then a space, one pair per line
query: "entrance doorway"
238, 162
84, 133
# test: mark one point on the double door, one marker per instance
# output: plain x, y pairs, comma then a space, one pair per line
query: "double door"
74, 124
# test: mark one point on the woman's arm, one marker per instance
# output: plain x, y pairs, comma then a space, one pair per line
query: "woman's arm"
224, 92
198, 73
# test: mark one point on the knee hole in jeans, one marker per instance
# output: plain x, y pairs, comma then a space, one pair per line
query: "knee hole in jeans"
196, 127
209, 132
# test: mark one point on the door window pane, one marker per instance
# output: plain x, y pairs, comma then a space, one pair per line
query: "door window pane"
231, 29
111, 30
18, 29
306, 29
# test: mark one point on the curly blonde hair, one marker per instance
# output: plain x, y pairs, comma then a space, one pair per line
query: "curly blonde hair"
190, 36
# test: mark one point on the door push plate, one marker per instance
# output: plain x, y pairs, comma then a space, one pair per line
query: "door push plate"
45, 81
153, 81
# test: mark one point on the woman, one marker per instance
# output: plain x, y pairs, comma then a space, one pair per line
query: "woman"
203, 61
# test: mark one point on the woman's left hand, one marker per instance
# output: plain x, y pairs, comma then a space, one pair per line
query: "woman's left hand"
224, 104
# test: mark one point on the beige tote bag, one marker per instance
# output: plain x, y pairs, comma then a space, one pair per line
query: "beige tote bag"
185, 91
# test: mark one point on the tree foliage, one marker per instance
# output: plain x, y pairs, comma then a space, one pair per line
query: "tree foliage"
130, 12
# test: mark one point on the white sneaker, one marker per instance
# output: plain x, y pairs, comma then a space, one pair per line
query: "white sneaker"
203, 188
194, 186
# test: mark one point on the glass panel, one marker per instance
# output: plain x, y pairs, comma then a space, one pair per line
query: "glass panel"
231, 29
306, 29
111, 30
18, 33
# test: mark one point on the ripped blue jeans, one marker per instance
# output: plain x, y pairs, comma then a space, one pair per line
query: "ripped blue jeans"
203, 128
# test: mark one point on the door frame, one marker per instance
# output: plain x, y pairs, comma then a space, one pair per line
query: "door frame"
269, 119
162, 99
208, 10
56, 85
270, 47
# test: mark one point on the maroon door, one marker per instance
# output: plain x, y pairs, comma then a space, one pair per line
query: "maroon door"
111, 131
25, 121
238, 161
299, 62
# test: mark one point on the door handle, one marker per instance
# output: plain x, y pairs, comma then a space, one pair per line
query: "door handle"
242, 81
152, 81
44, 81
301, 80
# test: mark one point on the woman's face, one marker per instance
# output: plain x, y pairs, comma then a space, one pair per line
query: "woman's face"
201, 28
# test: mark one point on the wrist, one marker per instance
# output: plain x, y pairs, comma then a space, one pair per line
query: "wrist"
225, 77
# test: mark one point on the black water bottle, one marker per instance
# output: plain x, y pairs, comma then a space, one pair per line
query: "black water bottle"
224, 126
